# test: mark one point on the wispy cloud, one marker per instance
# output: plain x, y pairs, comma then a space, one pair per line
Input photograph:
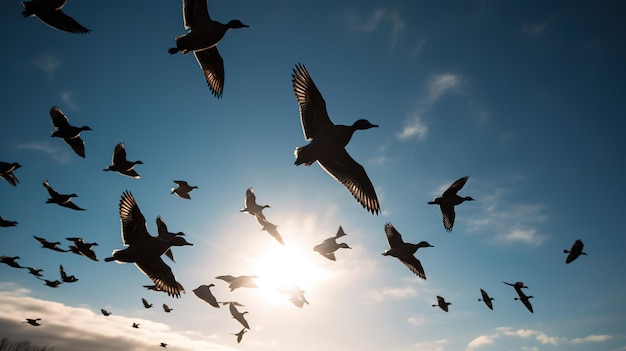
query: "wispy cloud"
392, 293
67, 96
531, 334
592, 338
419, 45
373, 21
413, 128
437, 345
59, 152
49, 64
440, 84
481, 341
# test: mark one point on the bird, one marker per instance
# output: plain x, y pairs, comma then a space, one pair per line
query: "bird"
120, 164
183, 189
144, 249
64, 200
163, 233
448, 200
49, 245
52, 283
575, 251
35, 272
270, 228
83, 248
145, 303
296, 295
204, 293
70, 134
167, 308
11, 261
526, 301
441, 302
328, 247
50, 13
135, 325
250, 206
328, 141
66, 278
202, 39
163, 345
239, 335
243, 281
6, 172
105, 312
7, 223
33, 322
405, 252
518, 286
239, 316
486, 299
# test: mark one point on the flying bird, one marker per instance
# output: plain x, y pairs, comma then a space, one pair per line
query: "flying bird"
135, 325
121, 165
52, 283
526, 301
83, 248
6, 223
243, 281
50, 13
202, 39
183, 189
270, 228
405, 252
239, 316
575, 251
64, 200
448, 200
328, 247
518, 286
49, 245
441, 302
66, 278
144, 249
296, 295
163, 345
240, 334
11, 261
167, 308
486, 299
328, 141
204, 293
33, 322
163, 233
250, 205
69, 133
35, 272
6, 172
105, 312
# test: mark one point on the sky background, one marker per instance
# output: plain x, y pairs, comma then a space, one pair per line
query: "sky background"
527, 98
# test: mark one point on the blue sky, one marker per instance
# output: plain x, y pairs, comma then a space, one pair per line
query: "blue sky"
525, 98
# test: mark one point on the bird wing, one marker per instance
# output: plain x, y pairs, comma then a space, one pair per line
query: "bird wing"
77, 144
340, 233
313, 115
133, 222
119, 154
162, 229
414, 265
63, 274
352, 175
70, 204
161, 275
195, 11
448, 215
456, 186
41, 240
203, 292
59, 119
394, 238
59, 20
130, 173
226, 278
212, 66
52, 192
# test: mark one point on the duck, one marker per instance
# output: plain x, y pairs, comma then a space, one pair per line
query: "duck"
145, 250
441, 302
202, 39
35, 272
183, 189
270, 228
250, 206
204, 293
83, 248
6, 223
240, 334
6, 172
64, 200
121, 165
52, 283
486, 299
575, 251
243, 281
405, 252
49, 245
328, 142
69, 133
328, 247
66, 278
296, 296
167, 308
526, 301
11, 261
239, 316
164, 234
50, 13
448, 200
105, 312
33, 321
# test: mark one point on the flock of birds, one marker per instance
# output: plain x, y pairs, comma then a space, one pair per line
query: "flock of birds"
327, 147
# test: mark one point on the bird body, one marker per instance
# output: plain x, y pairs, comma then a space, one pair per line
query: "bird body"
486, 299
6, 172
35, 272
526, 301
50, 13
66, 278
7, 223
105, 312
11, 261
240, 334
243, 281
121, 165
328, 247
52, 283
69, 133
49, 245
204, 293
64, 200
441, 302
33, 322
250, 205
405, 252
145, 303
239, 316
575, 251
164, 234
448, 200
167, 308
83, 248
183, 189
270, 228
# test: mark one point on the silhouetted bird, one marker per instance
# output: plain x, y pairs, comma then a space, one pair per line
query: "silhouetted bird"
6, 172
328, 141
204, 293
163, 345
49, 245
575, 251
33, 322
6, 223
270, 228
239, 335
243, 281
83, 248
202, 39
486, 299
52, 283
64, 200
105, 312
135, 325
11, 261
239, 316
183, 189
69, 133
526, 301
66, 278
518, 286
167, 308
121, 165
163, 233
404, 251
441, 302
328, 247
144, 249
145, 303
448, 200
35, 272
49, 12
250, 205
296, 295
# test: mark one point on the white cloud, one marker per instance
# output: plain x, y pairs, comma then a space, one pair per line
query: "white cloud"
481, 341
441, 84
49, 64
372, 22
413, 128
393, 293
60, 152
591, 338
437, 345
67, 96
